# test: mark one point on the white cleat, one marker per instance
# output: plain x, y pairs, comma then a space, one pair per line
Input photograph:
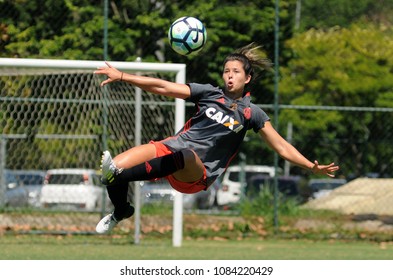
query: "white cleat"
109, 221
108, 168
106, 224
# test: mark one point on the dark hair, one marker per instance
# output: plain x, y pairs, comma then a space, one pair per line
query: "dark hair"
251, 56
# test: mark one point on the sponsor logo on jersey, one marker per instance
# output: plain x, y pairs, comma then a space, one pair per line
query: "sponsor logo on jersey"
225, 120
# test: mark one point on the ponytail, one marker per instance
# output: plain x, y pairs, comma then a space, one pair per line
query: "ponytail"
252, 56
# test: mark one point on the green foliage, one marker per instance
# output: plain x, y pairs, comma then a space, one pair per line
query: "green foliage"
340, 67
162, 209
71, 29
348, 65
329, 13
262, 205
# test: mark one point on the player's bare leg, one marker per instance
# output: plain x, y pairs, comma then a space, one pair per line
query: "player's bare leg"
135, 156
193, 168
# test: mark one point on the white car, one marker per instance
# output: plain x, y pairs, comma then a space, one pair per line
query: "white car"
231, 190
73, 189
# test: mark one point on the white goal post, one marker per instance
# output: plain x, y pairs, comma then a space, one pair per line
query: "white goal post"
10, 64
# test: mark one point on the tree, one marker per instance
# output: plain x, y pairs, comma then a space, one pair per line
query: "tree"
329, 13
73, 29
341, 67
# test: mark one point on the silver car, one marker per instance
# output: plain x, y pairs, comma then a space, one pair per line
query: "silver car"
14, 194
162, 192
32, 181
322, 187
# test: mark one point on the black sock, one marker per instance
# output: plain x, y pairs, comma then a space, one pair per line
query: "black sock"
152, 169
118, 195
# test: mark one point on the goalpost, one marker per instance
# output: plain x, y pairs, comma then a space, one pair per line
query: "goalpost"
54, 108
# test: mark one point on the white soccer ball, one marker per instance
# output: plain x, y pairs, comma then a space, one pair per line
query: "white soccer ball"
187, 35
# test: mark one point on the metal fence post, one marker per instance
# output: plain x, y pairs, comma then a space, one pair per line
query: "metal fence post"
3, 187
276, 104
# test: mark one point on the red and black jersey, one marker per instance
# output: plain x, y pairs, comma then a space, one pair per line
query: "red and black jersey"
217, 128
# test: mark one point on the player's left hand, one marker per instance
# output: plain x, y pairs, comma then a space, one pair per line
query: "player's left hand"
325, 169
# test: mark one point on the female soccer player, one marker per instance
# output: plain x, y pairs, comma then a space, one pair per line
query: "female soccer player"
193, 158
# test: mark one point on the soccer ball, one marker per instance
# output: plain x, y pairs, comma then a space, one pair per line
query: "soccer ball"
187, 35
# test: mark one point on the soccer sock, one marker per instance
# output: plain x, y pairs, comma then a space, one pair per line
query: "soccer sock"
153, 169
118, 195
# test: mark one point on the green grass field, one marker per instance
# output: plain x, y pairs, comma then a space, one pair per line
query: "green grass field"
118, 248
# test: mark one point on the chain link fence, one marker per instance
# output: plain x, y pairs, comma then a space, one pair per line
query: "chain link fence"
53, 119
62, 119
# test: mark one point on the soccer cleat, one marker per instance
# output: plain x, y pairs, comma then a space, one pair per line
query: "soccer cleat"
109, 169
106, 224
109, 221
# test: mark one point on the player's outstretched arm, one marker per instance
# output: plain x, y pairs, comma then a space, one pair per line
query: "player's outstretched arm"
150, 84
290, 153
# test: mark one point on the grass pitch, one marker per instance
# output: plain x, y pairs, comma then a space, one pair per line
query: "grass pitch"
120, 248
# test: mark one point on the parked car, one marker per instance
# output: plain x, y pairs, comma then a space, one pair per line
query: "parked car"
289, 186
161, 191
322, 187
231, 189
14, 194
32, 181
203, 199
73, 189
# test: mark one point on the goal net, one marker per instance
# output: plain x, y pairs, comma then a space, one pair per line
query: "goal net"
54, 114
